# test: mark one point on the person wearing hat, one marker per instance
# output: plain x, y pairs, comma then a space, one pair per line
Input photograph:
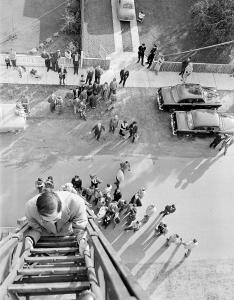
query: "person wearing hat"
76, 60
57, 213
113, 87
39, 184
97, 129
189, 246
114, 122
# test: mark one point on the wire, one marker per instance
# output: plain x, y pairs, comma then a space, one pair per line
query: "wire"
33, 22
199, 49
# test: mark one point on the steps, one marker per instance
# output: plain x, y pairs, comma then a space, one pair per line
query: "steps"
53, 267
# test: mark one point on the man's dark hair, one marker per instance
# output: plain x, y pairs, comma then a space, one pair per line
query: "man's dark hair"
48, 202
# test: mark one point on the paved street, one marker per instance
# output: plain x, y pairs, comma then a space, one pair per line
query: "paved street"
181, 171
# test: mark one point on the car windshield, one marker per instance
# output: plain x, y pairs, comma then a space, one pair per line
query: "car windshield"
194, 89
174, 93
190, 120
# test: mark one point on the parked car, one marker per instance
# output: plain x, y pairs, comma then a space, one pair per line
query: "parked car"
201, 122
10, 119
125, 10
187, 96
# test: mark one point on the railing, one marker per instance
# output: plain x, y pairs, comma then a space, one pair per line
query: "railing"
109, 278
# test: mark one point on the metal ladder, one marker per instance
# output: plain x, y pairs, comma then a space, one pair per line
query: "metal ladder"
53, 267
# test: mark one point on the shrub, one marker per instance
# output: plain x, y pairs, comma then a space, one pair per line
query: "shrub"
72, 17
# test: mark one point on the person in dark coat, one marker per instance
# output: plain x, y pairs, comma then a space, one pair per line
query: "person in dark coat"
218, 139
98, 74
77, 183
150, 59
76, 92
89, 76
141, 53
124, 74
117, 195
97, 129
169, 209
7, 61
46, 57
76, 61
133, 129
123, 128
184, 65
93, 101
62, 75
154, 49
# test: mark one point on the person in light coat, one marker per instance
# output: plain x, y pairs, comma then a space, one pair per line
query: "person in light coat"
58, 214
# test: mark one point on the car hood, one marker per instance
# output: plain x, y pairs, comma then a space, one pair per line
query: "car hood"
167, 95
181, 119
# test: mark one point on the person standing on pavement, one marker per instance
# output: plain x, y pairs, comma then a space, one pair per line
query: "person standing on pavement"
174, 238
150, 59
158, 63
161, 229
141, 53
12, 57
169, 209
189, 246
123, 128
7, 61
62, 75
124, 74
133, 130
227, 142
114, 122
89, 76
97, 129
46, 57
184, 65
76, 61
98, 74
105, 90
188, 71
113, 87
217, 140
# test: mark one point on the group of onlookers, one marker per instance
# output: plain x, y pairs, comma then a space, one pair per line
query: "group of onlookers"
155, 59
110, 207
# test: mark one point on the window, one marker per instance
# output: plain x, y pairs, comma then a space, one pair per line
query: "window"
186, 101
199, 100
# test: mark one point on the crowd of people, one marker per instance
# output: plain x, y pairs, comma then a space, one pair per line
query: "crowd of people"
110, 207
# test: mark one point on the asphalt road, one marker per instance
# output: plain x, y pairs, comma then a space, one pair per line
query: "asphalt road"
181, 171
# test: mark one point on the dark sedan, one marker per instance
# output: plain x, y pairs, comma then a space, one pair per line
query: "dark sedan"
187, 96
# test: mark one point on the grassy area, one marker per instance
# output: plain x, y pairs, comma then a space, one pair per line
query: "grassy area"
168, 24
33, 22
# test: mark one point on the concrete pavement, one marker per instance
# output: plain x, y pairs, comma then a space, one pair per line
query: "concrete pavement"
139, 76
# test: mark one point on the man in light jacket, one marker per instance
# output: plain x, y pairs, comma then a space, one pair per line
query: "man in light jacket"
57, 213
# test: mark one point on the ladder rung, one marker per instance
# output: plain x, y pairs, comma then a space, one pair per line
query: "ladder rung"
56, 244
57, 238
54, 250
57, 265
49, 259
49, 288
52, 278
51, 271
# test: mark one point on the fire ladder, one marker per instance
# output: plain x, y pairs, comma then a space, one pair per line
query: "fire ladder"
55, 267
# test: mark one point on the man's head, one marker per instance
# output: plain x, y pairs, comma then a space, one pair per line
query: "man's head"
143, 44
49, 206
189, 58
195, 241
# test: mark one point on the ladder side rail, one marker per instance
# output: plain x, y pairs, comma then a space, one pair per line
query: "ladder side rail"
116, 288
128, 279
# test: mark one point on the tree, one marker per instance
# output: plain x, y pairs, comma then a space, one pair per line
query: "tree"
213, 20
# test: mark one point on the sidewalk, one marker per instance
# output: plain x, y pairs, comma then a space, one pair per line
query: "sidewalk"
139, 76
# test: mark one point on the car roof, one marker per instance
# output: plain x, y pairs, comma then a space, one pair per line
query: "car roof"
189, 90
205, 118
